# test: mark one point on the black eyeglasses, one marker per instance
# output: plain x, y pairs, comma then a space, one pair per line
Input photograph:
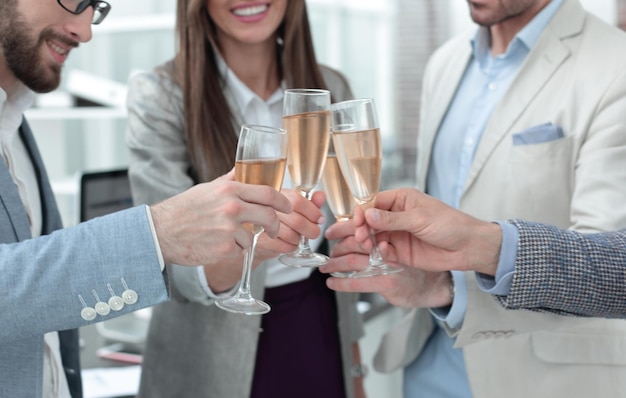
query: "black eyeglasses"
101, 8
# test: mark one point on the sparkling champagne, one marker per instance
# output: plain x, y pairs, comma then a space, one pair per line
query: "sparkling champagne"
269, 172
361, 162
338, 195
308, 145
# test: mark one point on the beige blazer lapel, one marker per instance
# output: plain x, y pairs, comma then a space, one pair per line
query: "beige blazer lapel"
441, 96
544, 60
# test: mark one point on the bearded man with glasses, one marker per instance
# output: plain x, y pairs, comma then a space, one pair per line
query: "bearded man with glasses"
34, 50
59, 279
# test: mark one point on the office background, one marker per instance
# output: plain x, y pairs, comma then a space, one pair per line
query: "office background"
381, 46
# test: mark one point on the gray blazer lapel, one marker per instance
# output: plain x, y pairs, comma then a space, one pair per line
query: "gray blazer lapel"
14, 224
50, 213
540, 66
14, 212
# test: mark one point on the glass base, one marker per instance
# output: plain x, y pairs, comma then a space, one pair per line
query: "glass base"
303, 260
340, 274
246, 306
375, 270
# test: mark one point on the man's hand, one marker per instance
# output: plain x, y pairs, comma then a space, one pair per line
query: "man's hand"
304, 219
419, 231
409, 288
205, 224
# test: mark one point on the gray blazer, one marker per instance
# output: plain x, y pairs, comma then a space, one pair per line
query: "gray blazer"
42, 278
197, 358
568, 273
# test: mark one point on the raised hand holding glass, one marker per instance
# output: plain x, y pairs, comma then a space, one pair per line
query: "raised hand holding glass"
357, 141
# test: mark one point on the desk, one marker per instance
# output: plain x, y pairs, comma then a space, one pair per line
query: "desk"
376, 313
91, 341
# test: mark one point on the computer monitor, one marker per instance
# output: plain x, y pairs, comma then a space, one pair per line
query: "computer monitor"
104, 192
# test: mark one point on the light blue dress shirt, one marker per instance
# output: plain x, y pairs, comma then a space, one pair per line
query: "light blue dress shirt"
439, 371
501, 283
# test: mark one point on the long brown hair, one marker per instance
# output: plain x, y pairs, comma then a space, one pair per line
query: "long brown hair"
210, 125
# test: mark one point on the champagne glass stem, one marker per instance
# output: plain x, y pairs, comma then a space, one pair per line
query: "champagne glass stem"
243, 302
376, 264
304, 256
375, 257
303, 247
244, 287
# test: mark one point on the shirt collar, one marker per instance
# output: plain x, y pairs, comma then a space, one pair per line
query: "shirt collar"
241, 94
22, 99
528, 36
13, 107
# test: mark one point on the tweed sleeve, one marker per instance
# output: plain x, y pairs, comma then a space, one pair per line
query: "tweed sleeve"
568, 273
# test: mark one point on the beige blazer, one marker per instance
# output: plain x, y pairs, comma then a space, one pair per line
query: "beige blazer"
575, 79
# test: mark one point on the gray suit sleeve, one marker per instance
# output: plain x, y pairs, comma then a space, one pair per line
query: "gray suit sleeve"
43, 279
568, 273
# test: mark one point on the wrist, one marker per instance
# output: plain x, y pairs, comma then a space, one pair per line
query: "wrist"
163, 229
488, 245
221, 278
444, 290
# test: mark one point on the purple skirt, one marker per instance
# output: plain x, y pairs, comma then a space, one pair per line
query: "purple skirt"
299, 353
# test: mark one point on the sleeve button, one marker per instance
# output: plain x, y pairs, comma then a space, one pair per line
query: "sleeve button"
102, 308
130, 296
88, 314
116, 303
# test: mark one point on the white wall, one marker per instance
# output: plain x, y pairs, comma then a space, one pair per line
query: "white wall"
353, 36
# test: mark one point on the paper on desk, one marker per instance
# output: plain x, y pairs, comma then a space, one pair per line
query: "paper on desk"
111, 382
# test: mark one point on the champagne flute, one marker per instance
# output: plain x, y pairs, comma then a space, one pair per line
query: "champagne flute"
338, 195
356, 136
306, 117
261, 159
